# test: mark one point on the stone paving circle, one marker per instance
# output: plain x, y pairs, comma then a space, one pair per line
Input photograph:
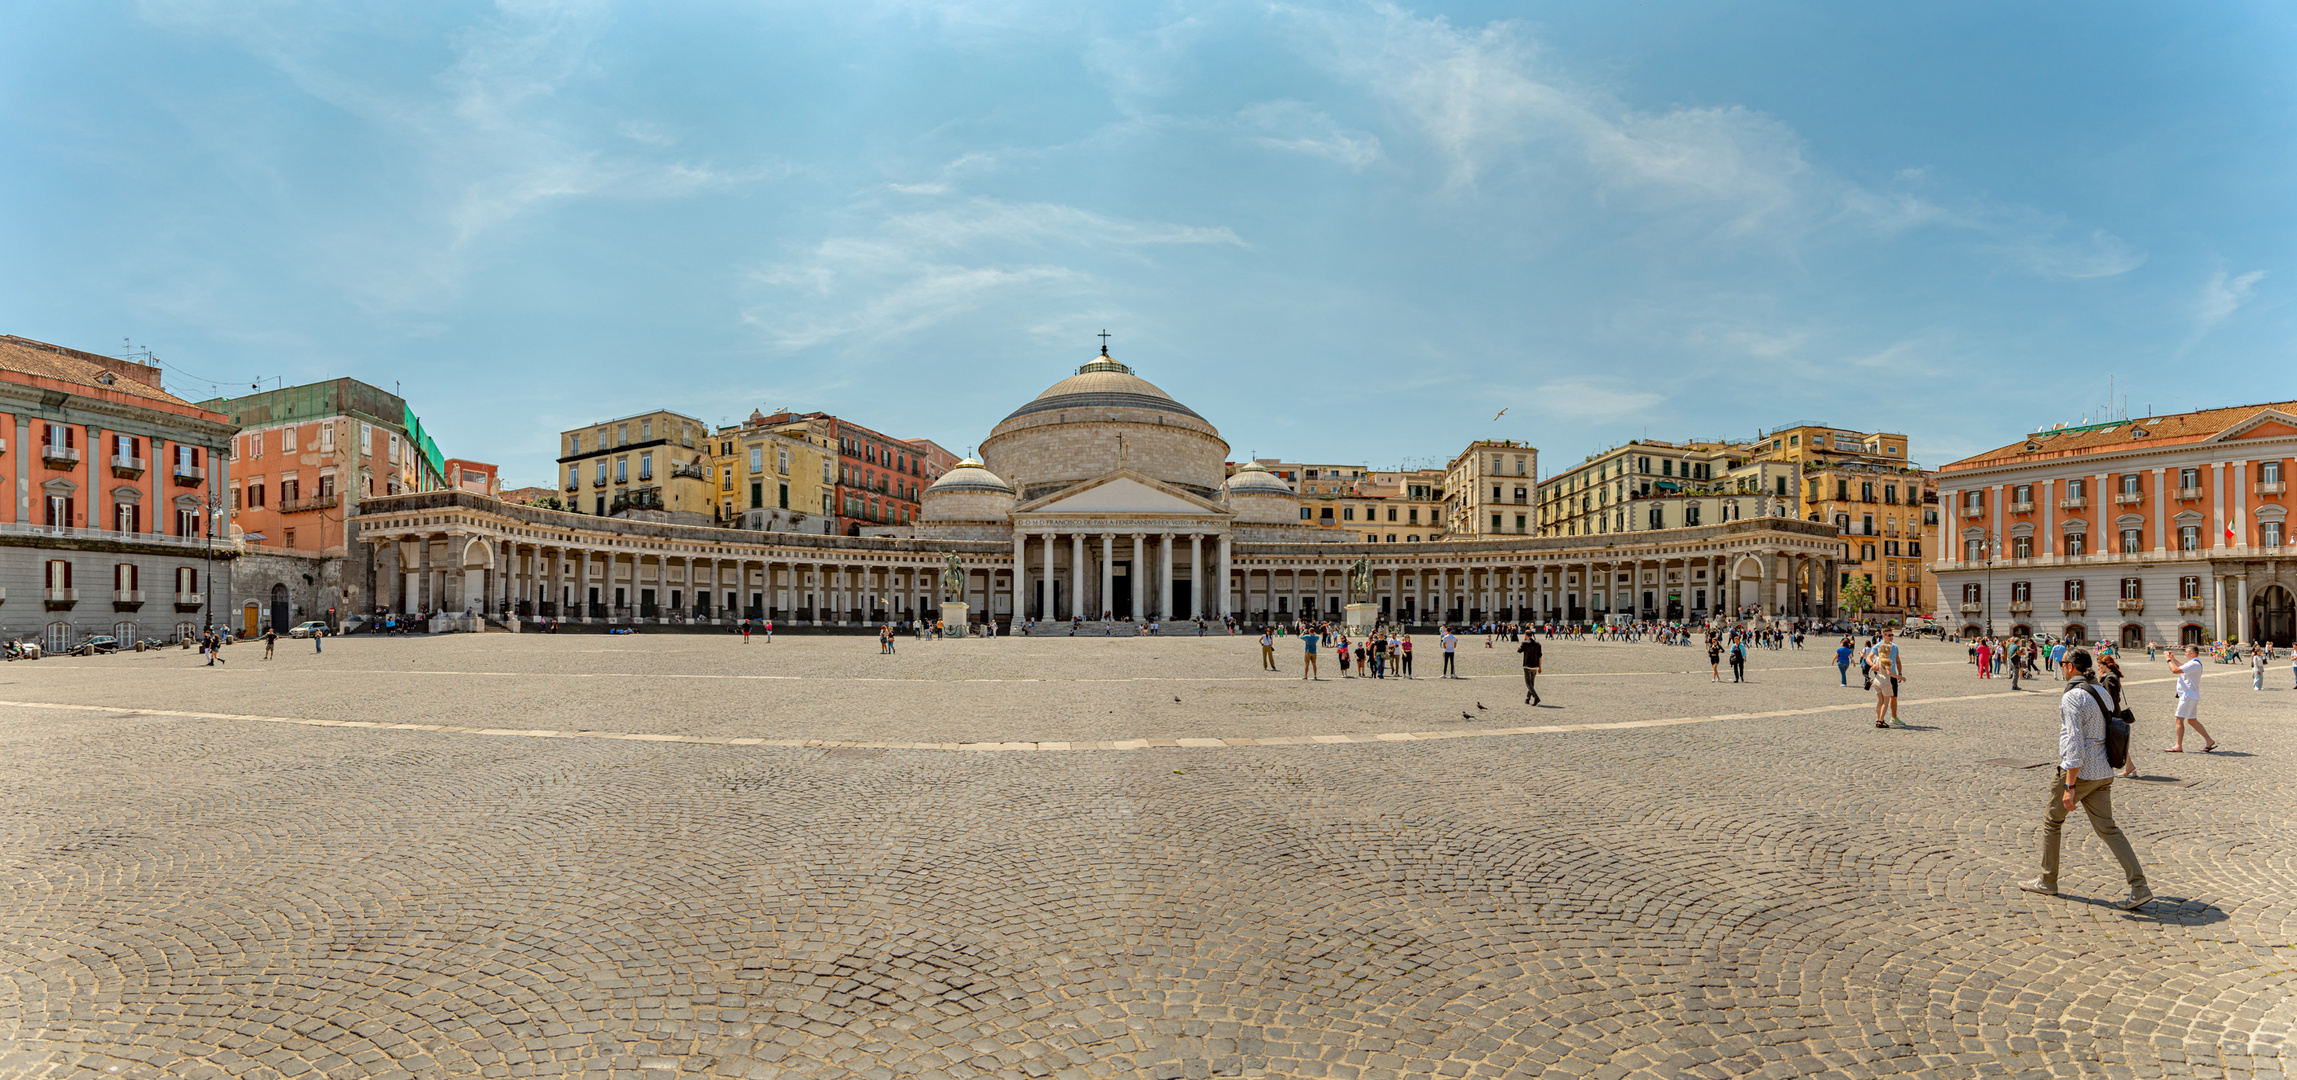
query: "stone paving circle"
662, 856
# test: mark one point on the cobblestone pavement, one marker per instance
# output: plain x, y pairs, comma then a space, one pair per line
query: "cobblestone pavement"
1342, 879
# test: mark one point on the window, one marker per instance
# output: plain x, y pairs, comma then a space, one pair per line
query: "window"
1666, 466
2189, 538
59, 575
2021, 592
646, 466
2133, 589
2130, 542
1412, 515
2021, 547
2272, 530
1305, 515
60, 511
601, 481
1972, 593
1866, 524
1691, 514
573, 477
1781, 487
645, 430
254, 493
1842, 523
287, 440
128, 518
2075, 544
1842, 490
2189, 479
2129, 483
287, 538
2073, 589
2189, 588
1495, 523
1890, 494
186, 580
1974, 500
621, 470
1348, 514
187, 522
1866, 491
367, 439
1866, 552
2269, 472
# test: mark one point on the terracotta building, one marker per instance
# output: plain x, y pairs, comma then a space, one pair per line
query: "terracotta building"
2162, 528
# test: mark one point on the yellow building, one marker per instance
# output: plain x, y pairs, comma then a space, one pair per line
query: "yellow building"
1358, 504
1488, 489
1862, 483
652, 465
774, 478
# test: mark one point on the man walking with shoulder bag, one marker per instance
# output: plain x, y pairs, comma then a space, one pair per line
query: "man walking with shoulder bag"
2085, 777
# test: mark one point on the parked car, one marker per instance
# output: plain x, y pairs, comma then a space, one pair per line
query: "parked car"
306, 629
100, 643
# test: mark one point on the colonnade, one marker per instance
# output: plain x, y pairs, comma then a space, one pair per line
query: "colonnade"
1735, 583
1136, 574
454, 571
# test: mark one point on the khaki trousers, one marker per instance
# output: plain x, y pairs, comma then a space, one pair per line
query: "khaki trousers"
2097, 799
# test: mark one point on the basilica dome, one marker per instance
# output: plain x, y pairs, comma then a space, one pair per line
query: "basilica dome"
1099, 420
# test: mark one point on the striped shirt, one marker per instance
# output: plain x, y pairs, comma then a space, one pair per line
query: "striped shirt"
2082, 731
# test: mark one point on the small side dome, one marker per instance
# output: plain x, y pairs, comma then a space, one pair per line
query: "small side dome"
1255, 479
969, 476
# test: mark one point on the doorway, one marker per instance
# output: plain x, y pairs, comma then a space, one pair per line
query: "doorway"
249, 617
2273, 616
279, 622
1183, 601
2133, 636
1121, 585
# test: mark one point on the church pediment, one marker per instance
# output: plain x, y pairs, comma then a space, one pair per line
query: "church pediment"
1122, 492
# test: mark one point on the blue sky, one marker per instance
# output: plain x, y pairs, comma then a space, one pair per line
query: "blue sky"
1344, 232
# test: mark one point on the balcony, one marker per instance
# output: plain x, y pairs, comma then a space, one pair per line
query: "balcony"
190, 475
62, 599
574, 485
189, 601
598, 482
2078, 502
127, 599
127, 468
2129, 498
1972, 609
698, 472
1973, 511
2074, 607
2189, 494
2022, 508
2129, 605
2190, 604
60, 457
2271, 487
316, 502
2021, 607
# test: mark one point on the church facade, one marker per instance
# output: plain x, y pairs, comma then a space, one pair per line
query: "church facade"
1102, 498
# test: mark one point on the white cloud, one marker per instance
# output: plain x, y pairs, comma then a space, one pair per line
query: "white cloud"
2098, 255
2222, 296
1583, 397
1294, 128
918, 269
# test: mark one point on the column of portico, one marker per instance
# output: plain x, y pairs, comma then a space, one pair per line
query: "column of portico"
1106, 605
1020, 574
1222, 593
1139, 578
1076, 574
1196, 589
1164, 575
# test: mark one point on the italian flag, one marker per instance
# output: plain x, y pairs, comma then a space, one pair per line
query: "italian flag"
2231, 527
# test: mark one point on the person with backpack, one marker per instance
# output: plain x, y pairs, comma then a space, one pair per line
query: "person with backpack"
2086, 777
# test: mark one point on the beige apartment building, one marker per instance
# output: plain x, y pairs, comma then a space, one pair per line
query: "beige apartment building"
652, 465
1359, 504
1489, 490
1654, 484
775, 478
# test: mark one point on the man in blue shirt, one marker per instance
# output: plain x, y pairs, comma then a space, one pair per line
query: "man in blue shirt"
1308, 641
1842, 660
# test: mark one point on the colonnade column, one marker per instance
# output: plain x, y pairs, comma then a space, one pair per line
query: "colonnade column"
1105, 606
1196, 589
1139, 576
1222, 608
1164, 576
1077, 574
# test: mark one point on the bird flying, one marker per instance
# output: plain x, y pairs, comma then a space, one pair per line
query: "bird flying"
1502, 412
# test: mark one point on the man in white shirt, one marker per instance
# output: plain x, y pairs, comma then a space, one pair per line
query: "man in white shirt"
1450, 642
2188, 673
2085, 777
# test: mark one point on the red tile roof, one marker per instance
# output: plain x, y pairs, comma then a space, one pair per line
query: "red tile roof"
2171, 430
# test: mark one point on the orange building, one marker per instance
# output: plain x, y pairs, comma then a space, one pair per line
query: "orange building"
107, 482
306, 455
2162, 528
